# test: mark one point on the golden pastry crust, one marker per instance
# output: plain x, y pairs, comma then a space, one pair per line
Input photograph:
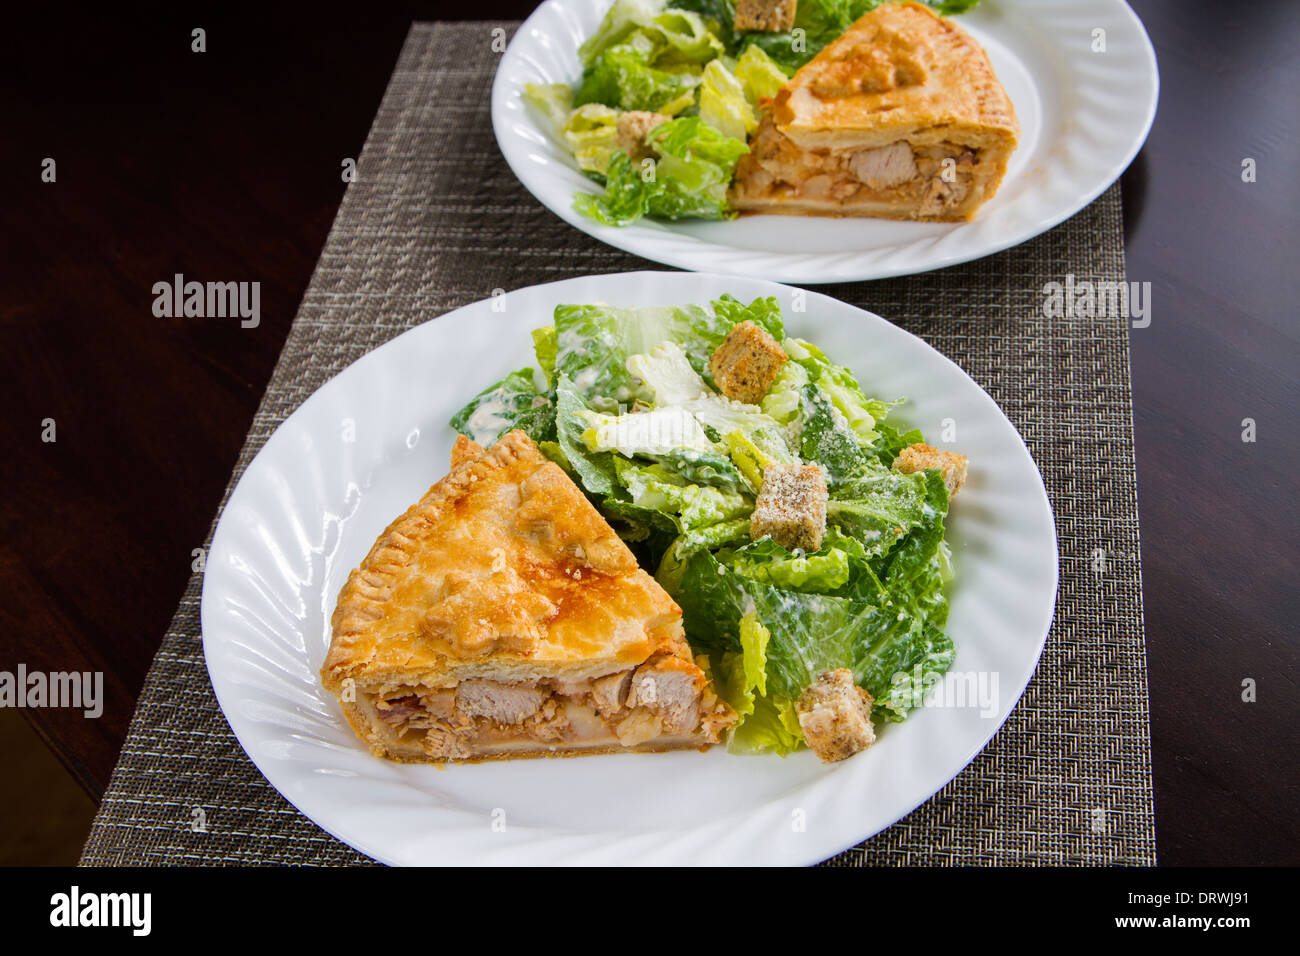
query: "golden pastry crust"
502, 573
502, 565
902, 116
900, 69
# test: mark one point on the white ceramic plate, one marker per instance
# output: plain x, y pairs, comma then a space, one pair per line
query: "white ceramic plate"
1083, 117
368, 443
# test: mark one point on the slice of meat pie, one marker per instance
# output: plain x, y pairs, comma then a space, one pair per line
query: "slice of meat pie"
502, 617
901, 117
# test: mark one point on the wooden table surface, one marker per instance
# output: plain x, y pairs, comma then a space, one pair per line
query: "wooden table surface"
226, 165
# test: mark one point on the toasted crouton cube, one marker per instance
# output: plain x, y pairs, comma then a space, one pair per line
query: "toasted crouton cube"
835, 716
765, 16
746, 363
631, 129
791, 507
919, 457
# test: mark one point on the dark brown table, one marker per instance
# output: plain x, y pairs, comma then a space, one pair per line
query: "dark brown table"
226, 165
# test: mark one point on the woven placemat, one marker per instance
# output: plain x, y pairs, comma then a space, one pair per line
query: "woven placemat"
435, 221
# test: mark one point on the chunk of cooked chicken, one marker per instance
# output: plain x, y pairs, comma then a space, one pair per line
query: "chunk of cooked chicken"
884, 166
504, 703
669, 688
611, 692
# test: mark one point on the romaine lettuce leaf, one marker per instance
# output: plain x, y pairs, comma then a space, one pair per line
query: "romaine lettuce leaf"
760, 432
913, 559
773, 727
809, 633
689, 181
698, 467
765, 312
678, 36
760, 76
689, 506
766, 723
667, 373
892, 441
695, 155
622, 78
657, 432
731, 531
825, 437
718, 15
591, 133
513, 402
626, 197
824, 572
595, 470
820, 21
723, 104
839, 383
594, 342
784, 396
544, 348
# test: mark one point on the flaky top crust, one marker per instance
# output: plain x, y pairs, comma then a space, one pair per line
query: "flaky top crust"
899, 72
504, 570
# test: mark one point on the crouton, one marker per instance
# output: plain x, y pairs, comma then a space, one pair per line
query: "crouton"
746, 363
791, 507
835, 716
765, 16
920, 457
631, 129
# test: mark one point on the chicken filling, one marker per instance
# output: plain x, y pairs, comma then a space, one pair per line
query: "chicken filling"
934, 178
629, 708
